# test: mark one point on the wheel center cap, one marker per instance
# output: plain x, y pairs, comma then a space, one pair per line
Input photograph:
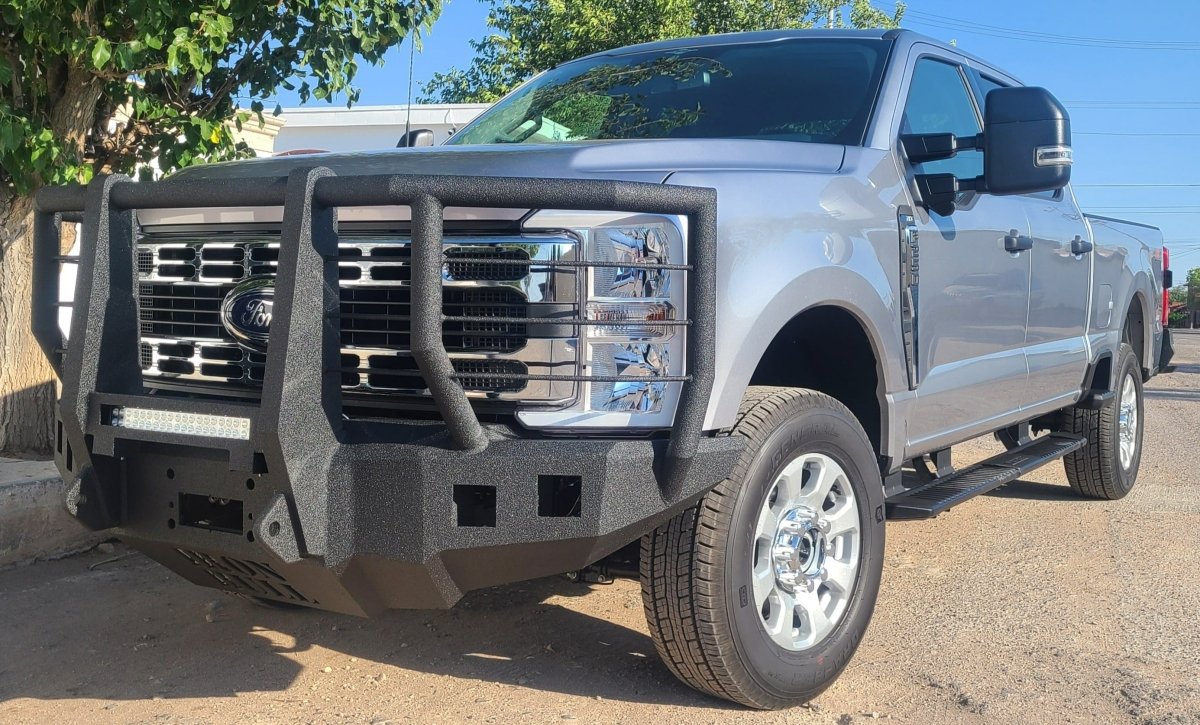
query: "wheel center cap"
1126, 421
801, 546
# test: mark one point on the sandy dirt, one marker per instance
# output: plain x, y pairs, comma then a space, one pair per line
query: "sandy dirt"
1027, 605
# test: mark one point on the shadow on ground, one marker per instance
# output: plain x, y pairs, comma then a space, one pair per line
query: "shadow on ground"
1034, 491
158, 642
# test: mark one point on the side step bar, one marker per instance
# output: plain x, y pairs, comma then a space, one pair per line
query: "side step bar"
930, 499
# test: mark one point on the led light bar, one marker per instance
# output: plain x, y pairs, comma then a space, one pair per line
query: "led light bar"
196, 424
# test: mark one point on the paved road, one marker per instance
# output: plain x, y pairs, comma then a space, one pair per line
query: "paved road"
1027, 605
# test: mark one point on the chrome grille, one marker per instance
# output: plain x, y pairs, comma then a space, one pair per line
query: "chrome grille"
183, 282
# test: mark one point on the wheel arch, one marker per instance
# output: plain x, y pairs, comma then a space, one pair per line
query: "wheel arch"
1136, 330
848, 366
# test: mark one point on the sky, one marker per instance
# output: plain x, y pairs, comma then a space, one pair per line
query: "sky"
1129, 77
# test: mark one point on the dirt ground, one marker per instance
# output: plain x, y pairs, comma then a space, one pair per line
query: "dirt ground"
1027, 605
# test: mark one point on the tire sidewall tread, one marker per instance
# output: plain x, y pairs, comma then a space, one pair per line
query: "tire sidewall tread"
705, 635
1095, 470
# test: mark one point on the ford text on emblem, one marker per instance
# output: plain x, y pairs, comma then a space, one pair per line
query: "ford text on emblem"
246, 312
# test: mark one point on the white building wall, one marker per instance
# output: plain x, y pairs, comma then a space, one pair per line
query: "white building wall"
365, 128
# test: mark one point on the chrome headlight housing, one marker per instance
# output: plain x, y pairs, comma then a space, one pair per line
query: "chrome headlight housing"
635, 302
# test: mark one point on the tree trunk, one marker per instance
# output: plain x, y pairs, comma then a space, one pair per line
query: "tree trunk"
27, 389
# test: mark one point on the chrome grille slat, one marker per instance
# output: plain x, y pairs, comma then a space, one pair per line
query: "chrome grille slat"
182, 283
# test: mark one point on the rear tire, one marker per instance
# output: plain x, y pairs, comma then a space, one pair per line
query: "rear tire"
817, 568
1107, 467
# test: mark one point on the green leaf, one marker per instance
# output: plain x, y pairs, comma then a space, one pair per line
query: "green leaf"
101, 52
125, 56
170, 64
195, 55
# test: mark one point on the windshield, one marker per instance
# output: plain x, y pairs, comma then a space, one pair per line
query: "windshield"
816, 90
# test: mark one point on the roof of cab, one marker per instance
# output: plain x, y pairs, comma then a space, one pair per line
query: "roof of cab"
901, 37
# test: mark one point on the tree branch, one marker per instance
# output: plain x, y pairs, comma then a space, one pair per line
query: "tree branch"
233, 81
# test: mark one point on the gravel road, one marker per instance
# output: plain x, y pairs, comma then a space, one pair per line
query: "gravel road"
1026, 605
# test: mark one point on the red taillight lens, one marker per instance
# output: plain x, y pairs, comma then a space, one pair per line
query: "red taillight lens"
1166, 306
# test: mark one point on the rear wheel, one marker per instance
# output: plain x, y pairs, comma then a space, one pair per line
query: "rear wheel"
761, 592
1107, 467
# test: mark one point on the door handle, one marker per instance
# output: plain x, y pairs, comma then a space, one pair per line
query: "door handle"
1079, 245
1014, 242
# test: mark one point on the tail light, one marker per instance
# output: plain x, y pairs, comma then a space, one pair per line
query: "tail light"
1167, 280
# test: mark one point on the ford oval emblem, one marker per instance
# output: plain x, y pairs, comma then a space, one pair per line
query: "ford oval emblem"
246, 312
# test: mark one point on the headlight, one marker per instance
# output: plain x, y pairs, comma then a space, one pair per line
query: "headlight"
635, 302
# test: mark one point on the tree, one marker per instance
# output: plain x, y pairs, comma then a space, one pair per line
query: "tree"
534, 35
91, 86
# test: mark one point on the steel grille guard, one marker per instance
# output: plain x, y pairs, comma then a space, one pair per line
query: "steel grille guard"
100, 367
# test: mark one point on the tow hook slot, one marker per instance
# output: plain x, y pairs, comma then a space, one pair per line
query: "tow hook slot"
211, 513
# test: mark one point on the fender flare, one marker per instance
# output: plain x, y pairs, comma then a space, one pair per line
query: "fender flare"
860, 299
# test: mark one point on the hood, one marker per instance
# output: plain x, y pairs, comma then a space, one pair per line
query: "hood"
649, 161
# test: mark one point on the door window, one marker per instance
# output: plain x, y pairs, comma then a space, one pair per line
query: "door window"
939, 101
987, 85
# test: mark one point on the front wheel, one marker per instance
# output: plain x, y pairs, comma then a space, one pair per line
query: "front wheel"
762, 591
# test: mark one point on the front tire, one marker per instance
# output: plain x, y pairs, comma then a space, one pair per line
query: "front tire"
1107, 467
761, 592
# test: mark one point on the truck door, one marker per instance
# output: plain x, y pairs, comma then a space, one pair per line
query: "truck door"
973, 294
1060, 280
1056, 343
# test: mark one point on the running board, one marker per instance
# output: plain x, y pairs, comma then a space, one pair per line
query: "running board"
930, 499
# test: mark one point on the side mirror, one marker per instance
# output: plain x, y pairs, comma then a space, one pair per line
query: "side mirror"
1026, 142
416, 137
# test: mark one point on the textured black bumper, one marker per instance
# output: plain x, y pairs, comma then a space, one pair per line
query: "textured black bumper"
395, 524
348, 515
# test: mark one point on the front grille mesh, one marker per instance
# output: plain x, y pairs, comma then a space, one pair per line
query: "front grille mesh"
182, 285
370, 316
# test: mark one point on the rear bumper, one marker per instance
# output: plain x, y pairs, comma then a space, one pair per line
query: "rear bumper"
405, 523
347, 515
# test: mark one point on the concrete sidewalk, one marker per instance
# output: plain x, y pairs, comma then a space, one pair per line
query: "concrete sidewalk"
34, 523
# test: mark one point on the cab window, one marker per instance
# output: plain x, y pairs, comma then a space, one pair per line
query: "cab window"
939, 101
987, 85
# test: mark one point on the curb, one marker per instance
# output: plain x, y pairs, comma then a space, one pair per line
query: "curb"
34, 522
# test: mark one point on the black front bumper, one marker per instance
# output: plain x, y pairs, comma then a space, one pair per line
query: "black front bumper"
347, 515
375, 524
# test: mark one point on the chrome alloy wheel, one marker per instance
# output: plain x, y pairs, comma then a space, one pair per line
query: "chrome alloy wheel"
1128, 421
807, 546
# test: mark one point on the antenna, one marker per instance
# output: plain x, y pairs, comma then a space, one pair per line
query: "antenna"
412, 48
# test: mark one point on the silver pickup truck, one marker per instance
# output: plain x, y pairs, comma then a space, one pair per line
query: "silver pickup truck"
708, 312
